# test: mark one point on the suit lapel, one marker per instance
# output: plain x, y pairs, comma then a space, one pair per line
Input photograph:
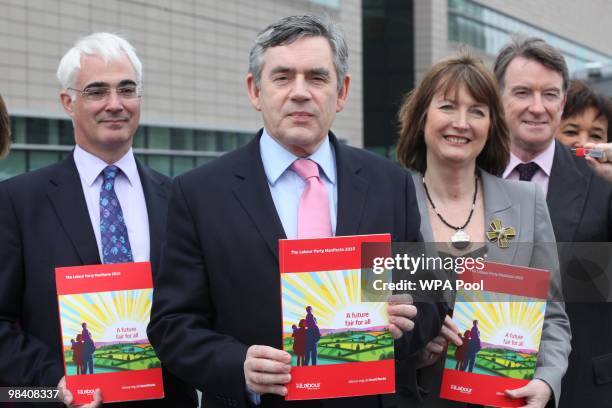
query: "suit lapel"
156, 197
499, 206
567, 190
352, 190
66, 194
252, 191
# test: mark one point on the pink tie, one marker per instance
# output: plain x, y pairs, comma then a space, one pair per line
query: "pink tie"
313, 211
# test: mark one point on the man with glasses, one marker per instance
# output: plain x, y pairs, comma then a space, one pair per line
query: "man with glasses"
58, 216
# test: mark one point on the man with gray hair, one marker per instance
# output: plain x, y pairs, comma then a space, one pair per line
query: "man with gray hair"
56, 216
216, 311
533, 78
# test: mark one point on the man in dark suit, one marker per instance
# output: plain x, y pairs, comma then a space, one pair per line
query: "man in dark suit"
533, 78
216, 310
53, 217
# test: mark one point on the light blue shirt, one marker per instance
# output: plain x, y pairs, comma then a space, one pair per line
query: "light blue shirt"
287, 186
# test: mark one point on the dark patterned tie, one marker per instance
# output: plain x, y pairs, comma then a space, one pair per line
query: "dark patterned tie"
526, 170
113, 232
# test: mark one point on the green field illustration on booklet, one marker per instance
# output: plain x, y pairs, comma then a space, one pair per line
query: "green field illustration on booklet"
325, 322
105, 332
500, 332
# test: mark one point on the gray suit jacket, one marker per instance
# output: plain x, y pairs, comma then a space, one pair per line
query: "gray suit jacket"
522, 205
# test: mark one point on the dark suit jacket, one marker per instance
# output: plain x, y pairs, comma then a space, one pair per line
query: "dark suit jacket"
44, 223
218, 290
580, 205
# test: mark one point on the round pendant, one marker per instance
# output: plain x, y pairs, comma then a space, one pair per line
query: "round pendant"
460, 239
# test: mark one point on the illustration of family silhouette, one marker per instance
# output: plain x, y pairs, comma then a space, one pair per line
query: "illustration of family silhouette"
306, 335
466, 353
82, 351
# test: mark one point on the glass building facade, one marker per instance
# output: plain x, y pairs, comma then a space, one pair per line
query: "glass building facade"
488, 30
38, 142
388, 69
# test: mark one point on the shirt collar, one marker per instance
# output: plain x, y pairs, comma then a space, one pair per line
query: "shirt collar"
90, 166
276, 159
544, 159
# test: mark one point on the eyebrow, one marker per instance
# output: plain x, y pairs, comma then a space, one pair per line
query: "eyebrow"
285, 70
517, 87
281, 70
452, 99
101, 84
575, 126
319, 71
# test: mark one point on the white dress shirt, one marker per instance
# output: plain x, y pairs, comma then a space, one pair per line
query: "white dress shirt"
129, 192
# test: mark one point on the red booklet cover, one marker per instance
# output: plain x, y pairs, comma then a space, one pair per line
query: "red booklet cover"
340, 346
501, 326
104, 311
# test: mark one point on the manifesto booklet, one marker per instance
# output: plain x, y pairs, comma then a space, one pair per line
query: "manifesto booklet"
104, 311
340, 346
501, 328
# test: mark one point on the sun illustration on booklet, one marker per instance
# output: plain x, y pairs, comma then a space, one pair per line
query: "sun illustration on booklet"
500, 332
105, 332
324, 321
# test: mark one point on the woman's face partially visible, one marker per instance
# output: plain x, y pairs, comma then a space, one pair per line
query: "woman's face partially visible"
582, 128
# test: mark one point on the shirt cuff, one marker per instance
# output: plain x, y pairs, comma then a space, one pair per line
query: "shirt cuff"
254, 397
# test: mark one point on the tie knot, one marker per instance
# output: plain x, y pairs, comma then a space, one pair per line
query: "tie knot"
110, 172
527, 170
305, 168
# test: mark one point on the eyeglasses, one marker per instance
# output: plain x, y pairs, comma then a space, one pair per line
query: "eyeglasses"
99, 93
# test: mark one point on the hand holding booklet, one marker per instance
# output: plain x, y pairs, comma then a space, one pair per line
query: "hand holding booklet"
340, 345
104, 311
501, 329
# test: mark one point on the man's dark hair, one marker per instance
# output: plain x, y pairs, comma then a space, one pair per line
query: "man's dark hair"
534, 49
290, 29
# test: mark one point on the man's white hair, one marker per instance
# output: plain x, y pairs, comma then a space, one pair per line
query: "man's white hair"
105, 45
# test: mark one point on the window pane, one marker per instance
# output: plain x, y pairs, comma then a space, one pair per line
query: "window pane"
182, 139
226, 141
13, 164
37, 131
159, 138
66, 133
53, 131
160, 163
42, 159
181, 165
18, 129
244, 138
205, 141
140, 137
